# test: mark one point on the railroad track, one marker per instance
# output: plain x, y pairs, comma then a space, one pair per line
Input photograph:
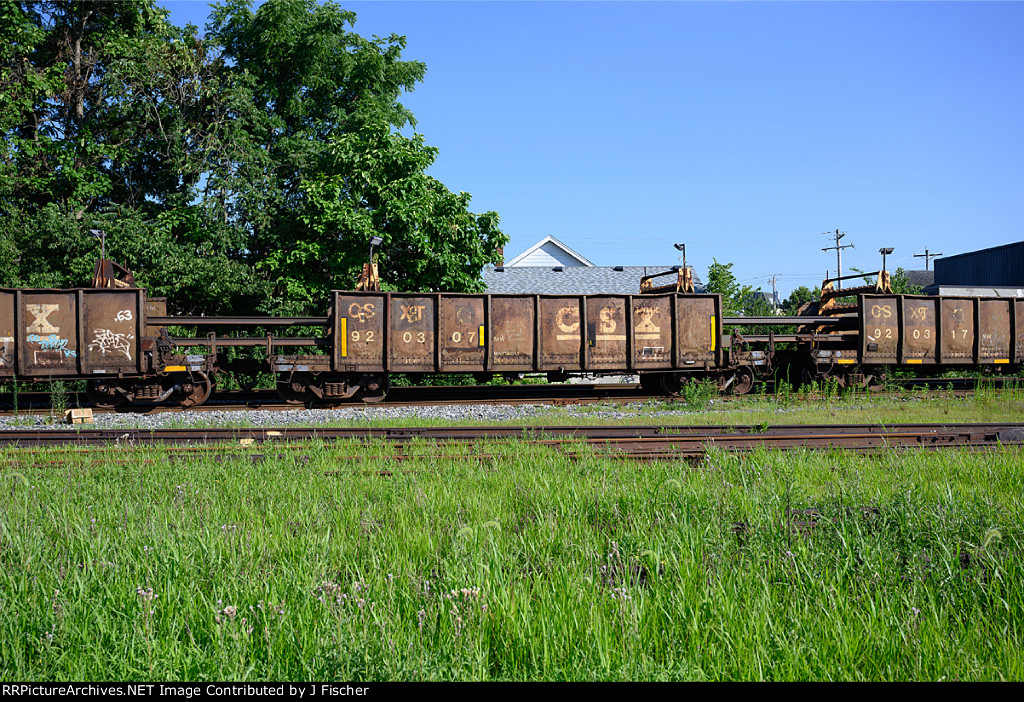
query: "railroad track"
40, 403
637, 442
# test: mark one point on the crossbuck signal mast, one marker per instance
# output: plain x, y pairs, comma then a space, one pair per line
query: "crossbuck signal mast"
839, 254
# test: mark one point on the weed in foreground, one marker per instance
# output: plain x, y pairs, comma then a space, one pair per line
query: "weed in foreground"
526, 565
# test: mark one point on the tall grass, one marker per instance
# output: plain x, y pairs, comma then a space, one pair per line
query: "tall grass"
510, 562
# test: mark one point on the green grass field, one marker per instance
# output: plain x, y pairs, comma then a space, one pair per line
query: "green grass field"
510, 562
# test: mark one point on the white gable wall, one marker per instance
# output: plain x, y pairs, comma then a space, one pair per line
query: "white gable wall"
549, 255
549, 252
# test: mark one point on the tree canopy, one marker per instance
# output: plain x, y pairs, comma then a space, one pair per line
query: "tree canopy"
237, 171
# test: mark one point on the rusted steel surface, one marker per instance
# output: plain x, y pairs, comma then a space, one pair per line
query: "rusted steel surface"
463, 338
155, 307
652, 332
512, 330
926, 330
413, 338
920, 336
660, 441
1018, 306
73, 332
698, 330
607, 337
47, 332
252, 321
957, 329
112, 327
994, 331
561, 333
683, 284
880, 330
359, 331
8, 334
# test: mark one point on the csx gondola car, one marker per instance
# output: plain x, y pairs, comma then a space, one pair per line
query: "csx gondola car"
117, 340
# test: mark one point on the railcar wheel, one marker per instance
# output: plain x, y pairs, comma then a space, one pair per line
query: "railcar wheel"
671, 384
198, 390
375, 387
809, 377
103, 394
743, 382
875, 383
650, 382
295, 390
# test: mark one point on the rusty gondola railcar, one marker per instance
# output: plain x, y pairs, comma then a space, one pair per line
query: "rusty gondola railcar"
117, 340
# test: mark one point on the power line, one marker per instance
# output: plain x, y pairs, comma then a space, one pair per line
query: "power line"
927, 256
839, 254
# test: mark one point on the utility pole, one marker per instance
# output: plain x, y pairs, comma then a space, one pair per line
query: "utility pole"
927, 256
775, 297
839, 255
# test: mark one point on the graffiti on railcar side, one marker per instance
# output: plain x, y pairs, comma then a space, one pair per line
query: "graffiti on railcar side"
106, 341
52, 343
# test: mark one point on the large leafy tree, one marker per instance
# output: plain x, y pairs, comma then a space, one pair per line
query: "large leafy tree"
337, 170
108, 115
242, 171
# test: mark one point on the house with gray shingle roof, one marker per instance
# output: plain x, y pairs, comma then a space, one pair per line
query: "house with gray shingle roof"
549, 267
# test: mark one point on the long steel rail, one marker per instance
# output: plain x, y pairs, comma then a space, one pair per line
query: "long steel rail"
641, 441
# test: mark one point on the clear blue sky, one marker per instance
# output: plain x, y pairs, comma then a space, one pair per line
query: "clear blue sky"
745, 130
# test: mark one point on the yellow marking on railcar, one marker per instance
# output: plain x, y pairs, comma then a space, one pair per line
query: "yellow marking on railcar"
344, 337
172, 369
480, 336
915, 360
1002, 360
713, 335
845, 361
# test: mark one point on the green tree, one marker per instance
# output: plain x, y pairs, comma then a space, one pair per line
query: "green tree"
337, 172
798, 297
106, 118
901, 285
736, 298
244, 171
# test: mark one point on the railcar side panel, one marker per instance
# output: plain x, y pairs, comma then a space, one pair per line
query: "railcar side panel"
413, 334
918, 337
880, 329
561, 336
993, 331
652, 331
606, 333
47, 330
512, 327
155, 307
1018, 321
112, 324
956, 335
463, 333
698, 329
359, 332
8, 334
